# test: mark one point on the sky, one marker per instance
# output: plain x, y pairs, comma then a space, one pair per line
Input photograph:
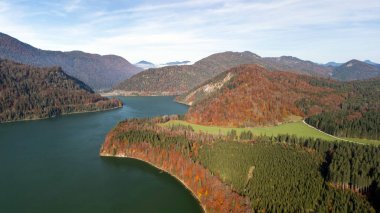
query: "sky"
162, 31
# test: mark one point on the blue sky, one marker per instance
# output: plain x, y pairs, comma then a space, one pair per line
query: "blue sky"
161, 31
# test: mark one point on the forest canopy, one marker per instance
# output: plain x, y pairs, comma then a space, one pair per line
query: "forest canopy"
28, 92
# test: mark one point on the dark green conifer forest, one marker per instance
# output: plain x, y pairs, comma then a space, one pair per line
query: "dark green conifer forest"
278, 174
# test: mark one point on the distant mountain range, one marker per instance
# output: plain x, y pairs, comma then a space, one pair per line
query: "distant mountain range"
371, 63
173, 80
335, 64
356, 70
99, 72
28, 92
332, 64
148, 65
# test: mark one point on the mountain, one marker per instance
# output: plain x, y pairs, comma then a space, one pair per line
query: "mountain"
145, 65
296, 65
332, 64
372, 63
250, 95
170, 80
99, 72
175, 80
355, 70
28, 92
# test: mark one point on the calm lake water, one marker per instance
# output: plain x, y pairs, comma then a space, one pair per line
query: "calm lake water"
53, 165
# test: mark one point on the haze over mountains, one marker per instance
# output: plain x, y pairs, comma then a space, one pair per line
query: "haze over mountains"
176, 80
147, 65
336, 64
356, 70
99, 72
179, 79
172, 78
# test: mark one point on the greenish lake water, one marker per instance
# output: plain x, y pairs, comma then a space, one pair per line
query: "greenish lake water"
53, 165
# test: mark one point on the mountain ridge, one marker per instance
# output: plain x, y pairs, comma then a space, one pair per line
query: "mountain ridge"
98, 71
355, 70
176, 80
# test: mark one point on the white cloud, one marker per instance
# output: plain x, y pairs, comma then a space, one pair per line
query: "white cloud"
193, 29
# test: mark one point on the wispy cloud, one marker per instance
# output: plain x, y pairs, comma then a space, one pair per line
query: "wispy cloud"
174, 30
72, 5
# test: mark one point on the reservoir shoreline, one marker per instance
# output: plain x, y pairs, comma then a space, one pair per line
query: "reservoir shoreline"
159, 168
63, 114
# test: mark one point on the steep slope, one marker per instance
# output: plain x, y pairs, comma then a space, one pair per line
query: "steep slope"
28, 92
183, 78
250, 95
171, 80
355, 70
99, 72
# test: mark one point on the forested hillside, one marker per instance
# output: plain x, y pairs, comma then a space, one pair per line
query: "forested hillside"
171, 80
359, 114
222, 171
28, 92
179, 79
99, 72
250, 95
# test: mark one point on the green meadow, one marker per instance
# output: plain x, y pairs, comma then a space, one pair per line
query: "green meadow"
298, 128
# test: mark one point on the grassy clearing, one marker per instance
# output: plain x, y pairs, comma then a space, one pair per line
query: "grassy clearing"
363, 141
297, 128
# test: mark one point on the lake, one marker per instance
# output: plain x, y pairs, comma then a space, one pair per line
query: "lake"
53, 165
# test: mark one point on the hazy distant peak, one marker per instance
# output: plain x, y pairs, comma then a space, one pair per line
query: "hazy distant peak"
177, 63
371, 62
356, 70
144, 62
332, 64
353, 61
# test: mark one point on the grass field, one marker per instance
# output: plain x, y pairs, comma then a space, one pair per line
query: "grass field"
297, 128
364, 141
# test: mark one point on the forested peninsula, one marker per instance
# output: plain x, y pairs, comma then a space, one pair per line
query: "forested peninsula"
245, 173
28, 93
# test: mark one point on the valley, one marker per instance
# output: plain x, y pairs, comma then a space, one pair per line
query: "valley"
232, 132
